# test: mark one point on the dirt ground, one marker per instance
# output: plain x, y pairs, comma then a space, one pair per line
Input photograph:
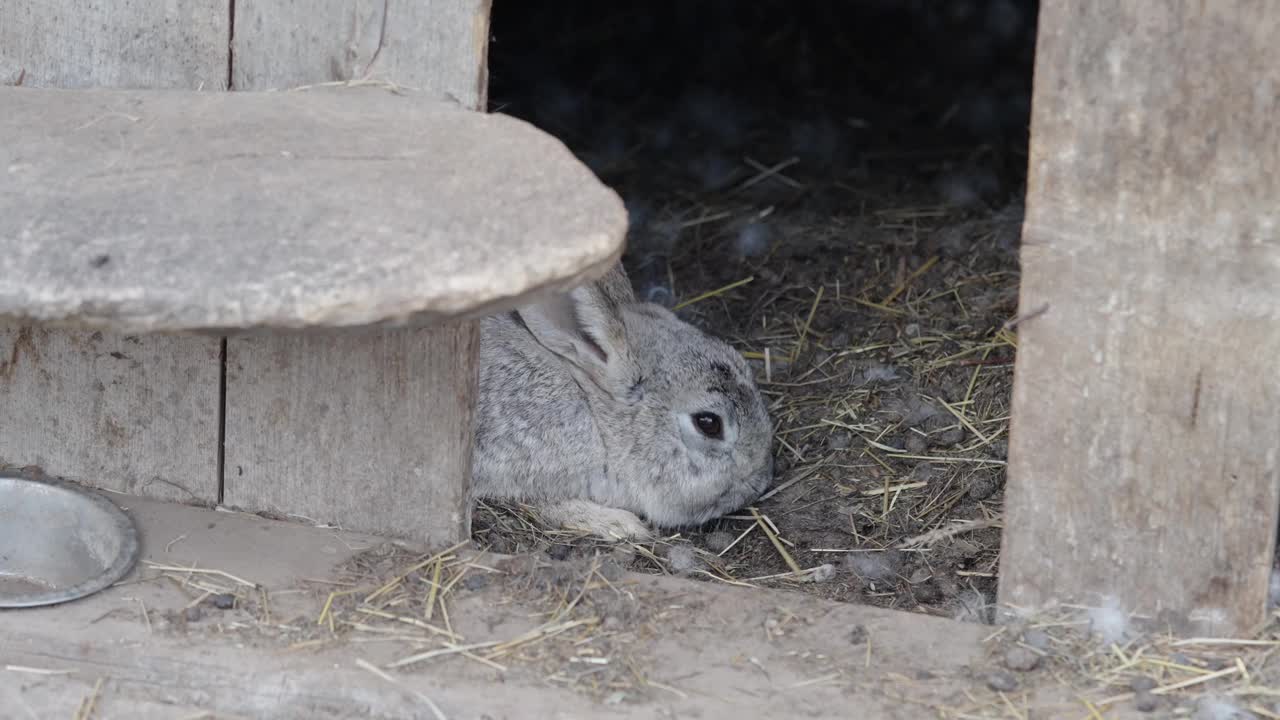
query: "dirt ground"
229, 615
846, 213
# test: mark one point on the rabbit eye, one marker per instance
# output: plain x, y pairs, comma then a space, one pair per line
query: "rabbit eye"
709, 424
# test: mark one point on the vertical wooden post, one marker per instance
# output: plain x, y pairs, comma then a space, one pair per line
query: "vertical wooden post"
132, 414
404, 396
370, 430
1146, 410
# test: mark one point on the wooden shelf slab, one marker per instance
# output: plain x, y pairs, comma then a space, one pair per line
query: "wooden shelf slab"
156, 211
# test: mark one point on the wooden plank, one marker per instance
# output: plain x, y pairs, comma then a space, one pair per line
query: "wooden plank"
135, 414
390, 452
1146, 409
368, 430
437, 46
121, 43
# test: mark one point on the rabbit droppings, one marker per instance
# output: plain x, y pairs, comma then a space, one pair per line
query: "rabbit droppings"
599, 409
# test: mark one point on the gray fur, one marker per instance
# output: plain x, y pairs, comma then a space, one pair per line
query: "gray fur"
584, 410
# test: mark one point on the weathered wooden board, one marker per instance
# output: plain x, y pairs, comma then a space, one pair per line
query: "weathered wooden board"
135, 414
1146, 410
121, 43
368, 430
437, 46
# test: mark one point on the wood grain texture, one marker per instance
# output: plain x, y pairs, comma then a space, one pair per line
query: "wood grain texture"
1146, 409
117, 43
136, 414
369, 430
437, 46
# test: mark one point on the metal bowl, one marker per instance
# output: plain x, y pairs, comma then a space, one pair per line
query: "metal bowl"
59, 542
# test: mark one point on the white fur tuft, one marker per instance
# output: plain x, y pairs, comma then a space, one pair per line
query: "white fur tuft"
753, 240
683, 559
1110, 623
1217, 708
823, 573
972, 606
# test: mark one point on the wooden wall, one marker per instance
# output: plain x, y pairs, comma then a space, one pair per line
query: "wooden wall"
372, 430
132, 414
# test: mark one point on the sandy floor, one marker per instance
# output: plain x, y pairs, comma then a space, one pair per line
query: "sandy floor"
230, 615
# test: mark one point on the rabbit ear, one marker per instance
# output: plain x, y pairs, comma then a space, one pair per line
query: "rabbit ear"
584, 326
616, 287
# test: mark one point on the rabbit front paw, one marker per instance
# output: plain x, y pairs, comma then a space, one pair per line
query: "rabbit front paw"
604, 522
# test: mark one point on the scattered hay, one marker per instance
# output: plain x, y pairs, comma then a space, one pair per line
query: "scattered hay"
883, 340
1054, 665
1150, 671
584, 625
587, 633
856, 243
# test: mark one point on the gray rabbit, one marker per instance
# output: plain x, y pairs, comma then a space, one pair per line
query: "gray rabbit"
598, 409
